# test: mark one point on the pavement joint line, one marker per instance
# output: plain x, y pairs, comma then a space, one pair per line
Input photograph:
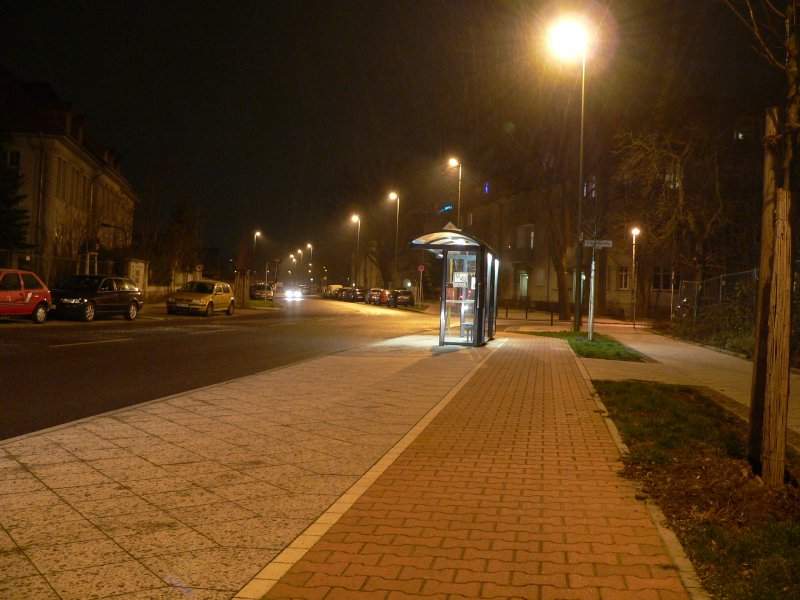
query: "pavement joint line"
263, 582
92, 342
674, 548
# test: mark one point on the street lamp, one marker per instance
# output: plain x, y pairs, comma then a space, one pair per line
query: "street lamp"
256, 235
568, 41
454, 162
634, 232
394, 196
356, 219
310, 257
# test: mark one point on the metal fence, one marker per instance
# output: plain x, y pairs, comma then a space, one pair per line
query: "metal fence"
732, 287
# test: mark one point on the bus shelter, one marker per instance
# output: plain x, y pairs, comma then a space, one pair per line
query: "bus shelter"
469, 286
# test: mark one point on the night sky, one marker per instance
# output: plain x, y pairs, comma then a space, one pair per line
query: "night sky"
256, 111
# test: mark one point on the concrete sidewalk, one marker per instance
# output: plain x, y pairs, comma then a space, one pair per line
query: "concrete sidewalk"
511, 492
399, 469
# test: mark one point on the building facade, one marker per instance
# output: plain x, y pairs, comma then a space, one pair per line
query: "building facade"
79, 204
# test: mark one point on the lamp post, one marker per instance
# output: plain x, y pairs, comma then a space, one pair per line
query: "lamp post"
356, 219
568, 40
634, 232
310, 259
256, 235
395, 197
454, 162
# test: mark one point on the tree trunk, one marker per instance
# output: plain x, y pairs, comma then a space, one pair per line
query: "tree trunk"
776, 406
758, 382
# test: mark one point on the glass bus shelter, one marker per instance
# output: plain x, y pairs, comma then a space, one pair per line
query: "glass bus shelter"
469, 286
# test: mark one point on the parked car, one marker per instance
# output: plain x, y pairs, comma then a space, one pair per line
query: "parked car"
89, 296
341, 293
203, 297
330, 290
357, 294
261, 291
400, 298
377, 296
23, 294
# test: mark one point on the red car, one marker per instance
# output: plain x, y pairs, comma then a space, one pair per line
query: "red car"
23, 294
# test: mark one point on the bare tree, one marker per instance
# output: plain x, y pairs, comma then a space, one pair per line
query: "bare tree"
774, 30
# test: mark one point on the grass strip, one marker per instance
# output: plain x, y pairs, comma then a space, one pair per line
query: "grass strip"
601, 346
686, 452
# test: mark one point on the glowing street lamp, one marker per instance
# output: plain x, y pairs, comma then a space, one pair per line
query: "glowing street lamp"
454, 162
395, 197
256, 235
356, 219
568, 40
634, 232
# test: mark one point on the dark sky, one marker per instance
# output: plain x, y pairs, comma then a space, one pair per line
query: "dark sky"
253, 110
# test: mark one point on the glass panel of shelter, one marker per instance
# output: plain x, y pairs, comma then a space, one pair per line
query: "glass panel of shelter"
460, 281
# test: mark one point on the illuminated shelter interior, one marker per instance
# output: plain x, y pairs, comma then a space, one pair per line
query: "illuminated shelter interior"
469, 286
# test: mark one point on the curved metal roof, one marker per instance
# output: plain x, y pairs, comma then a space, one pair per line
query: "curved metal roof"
449, 237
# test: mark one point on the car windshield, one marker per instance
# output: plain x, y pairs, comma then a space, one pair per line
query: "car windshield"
198, 287
82, 282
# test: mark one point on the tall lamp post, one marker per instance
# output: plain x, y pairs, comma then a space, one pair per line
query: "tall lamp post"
396, 198
310, 260
634, 232
454, 162
256, 235
356, 219
569, 40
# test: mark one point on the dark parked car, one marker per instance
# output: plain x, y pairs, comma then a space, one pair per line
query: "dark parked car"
377, 296
341, 293
23, 294
401, 298
357, 294
88, 296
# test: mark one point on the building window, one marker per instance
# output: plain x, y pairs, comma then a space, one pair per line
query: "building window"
12, 159
622, 278
531, 239
540, 277
662, 278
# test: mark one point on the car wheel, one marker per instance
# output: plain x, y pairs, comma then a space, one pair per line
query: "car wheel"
89, 311
230, 309
133, 310
210, 310
39, 315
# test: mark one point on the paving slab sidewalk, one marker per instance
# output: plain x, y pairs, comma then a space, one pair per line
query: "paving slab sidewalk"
512, 491
190, 496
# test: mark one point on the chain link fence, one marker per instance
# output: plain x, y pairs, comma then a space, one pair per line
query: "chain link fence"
738, 288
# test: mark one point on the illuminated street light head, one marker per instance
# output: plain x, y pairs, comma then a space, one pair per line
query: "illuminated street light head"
258, 234
453, 162
308, 245
635, 231
568, 38
393, 196
355, 219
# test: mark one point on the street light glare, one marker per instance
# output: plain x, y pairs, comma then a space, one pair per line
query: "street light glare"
355, 219
635, 231
258, 234
392, 196
568, 39
454, 162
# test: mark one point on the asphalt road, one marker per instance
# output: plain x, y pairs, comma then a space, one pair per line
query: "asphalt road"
62, 371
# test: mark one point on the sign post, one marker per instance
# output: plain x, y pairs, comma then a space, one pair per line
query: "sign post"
594, 244
421, 270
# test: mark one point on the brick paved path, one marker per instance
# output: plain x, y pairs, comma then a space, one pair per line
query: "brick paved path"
511, 492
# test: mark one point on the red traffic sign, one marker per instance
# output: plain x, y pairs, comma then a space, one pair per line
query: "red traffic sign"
421, 268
